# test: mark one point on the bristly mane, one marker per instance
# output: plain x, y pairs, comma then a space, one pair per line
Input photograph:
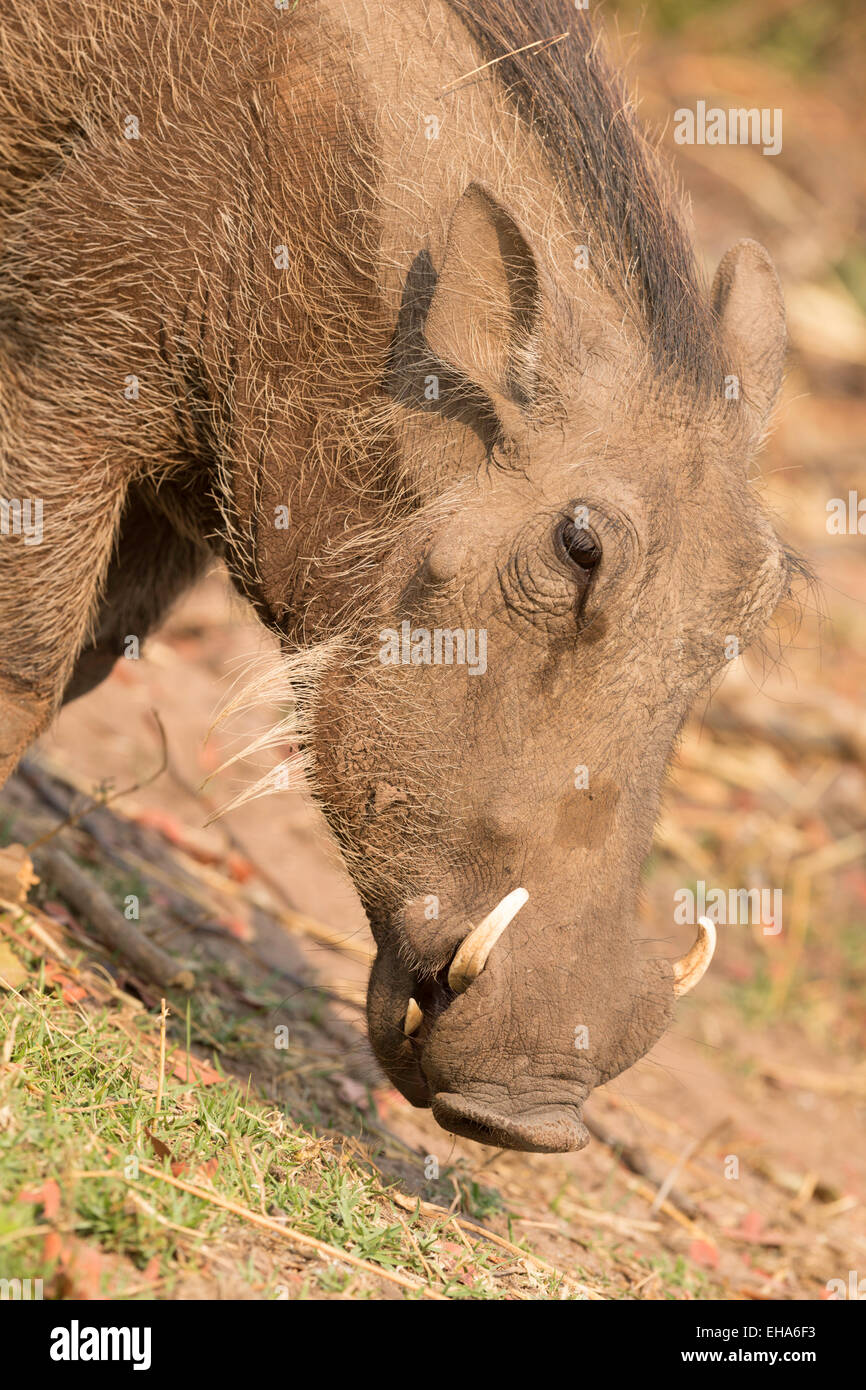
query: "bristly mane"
585, 120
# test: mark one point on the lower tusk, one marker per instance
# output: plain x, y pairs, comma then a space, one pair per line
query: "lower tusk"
471, 958
690, 967
413, 1019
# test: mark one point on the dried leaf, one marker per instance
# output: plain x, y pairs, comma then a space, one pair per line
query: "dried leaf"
16, 873
81, 1271
704, 1253
160, 1148
13, 971
201, 1072
70, 990
46, 1195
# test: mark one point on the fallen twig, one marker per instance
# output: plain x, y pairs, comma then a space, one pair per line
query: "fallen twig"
462, 1222
109, 925
38, 782
288, 1233
637, 1162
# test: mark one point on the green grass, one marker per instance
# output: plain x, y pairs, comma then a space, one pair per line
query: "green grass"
678, 1277
78, 1108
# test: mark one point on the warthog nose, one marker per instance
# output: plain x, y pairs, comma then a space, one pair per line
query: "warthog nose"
546, 1129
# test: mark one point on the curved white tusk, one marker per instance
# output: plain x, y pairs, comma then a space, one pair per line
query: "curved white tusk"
474, 949
690, 967
412, 1022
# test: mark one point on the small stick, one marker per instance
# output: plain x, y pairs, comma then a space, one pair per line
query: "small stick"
33, 775
432, 1209
161, 1057
288, 1233
37, 931
512, 53
111, 928
635, 1159
259, 1182
416, 1247
693, 1147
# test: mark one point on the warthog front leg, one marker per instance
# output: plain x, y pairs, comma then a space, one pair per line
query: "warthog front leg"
60, 503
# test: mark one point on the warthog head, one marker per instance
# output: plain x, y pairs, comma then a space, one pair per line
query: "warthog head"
532, 532
491, 755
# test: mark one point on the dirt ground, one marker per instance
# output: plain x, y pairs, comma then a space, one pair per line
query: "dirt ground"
730, 1162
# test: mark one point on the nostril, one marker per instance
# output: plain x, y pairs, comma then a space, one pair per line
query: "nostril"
556, 1128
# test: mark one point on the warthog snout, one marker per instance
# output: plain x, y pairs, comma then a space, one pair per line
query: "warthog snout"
506, 1040
553, 1128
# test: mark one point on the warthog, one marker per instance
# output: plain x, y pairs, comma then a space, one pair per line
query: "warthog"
391, 307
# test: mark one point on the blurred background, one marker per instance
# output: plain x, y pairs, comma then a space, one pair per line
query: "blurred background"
769, 787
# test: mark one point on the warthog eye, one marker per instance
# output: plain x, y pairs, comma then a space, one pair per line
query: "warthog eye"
578, 545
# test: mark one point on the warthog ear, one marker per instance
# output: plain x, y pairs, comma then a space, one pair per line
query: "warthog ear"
747, 300
484, 312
